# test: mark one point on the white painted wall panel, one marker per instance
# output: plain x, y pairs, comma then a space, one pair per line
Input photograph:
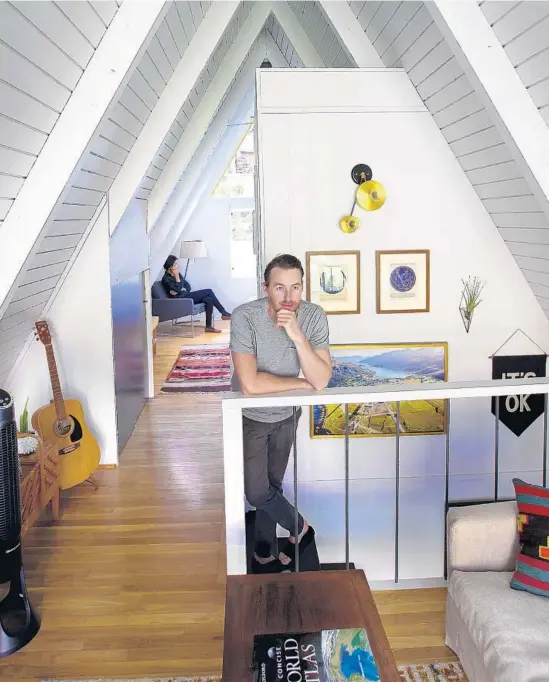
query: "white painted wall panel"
44, 48
301, 216
38, 274
319, 32
18, 72
16, 163
72, 319
504, 188
495, 10
5, 205
18, 106
528, 44
52, 22
404, 14
10, 186
84, 17
476, 141
519, 19
106, 9
441, 70
21, 35
524, 33
420, 48
21, 137
160, 60
126, 120
469, 125
141, 87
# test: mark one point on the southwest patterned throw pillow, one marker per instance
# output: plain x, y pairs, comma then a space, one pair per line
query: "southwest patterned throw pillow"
532, 569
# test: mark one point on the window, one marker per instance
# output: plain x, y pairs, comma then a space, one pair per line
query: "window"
238, 179
243, 263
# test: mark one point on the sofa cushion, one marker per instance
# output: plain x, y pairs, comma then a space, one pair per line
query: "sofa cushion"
510, 629
532, 569
158, 291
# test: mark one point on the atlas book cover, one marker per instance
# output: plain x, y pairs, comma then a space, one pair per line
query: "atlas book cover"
325, 656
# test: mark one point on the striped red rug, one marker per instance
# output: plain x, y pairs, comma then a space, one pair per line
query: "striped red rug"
200, 369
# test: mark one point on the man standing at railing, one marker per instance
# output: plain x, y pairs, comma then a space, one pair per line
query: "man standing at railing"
273, 341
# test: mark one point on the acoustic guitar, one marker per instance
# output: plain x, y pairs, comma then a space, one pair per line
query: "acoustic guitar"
61, 423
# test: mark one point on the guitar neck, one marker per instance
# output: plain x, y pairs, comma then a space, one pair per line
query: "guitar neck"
58, 399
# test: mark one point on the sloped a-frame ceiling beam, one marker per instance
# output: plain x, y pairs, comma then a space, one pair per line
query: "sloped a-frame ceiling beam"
235, 57
194, 132
482, 57
194, 60
296, 35
182, 204
107, 73
350, 33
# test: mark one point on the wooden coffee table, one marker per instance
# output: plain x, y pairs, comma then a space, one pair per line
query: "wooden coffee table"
302, 602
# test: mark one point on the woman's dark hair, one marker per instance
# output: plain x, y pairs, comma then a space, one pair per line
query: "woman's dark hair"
285, 261
170, 260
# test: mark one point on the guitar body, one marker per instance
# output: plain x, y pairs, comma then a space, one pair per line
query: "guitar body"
79, 453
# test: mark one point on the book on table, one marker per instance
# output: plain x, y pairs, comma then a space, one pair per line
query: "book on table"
343, 655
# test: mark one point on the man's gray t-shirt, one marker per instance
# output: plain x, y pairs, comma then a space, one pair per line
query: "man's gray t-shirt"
254, 332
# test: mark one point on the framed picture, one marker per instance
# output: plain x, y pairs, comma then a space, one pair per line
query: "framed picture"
374, 364
333, 281
402, 281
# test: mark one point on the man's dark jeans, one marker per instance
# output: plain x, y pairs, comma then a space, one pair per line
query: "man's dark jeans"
267, 449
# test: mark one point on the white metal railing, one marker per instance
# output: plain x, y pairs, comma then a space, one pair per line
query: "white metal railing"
234, 403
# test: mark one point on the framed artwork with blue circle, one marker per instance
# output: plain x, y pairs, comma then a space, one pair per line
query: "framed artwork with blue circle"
403, 281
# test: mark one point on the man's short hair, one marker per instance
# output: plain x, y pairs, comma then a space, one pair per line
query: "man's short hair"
285, 261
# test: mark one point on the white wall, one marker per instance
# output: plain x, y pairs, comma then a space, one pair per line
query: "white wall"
211, 223
377, 118
81, 327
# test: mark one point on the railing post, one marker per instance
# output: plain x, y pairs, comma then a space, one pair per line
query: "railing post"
296, 532
397, 486
446, 481
496, 453
347, 486
233, 464
545, 440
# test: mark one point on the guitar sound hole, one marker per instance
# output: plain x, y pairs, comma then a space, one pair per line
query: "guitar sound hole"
77, 433
63, 427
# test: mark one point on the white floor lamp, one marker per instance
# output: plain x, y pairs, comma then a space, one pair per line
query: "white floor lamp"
192, 249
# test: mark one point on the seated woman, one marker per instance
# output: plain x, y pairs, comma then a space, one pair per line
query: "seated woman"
176, 285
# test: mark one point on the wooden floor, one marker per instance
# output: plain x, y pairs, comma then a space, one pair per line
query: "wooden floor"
131, 581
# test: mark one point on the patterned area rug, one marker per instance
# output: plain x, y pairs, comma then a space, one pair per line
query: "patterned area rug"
200, 369
432, 672
427, 672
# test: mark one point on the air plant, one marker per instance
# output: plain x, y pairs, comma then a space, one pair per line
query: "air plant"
24, 419
26, 443
470, 300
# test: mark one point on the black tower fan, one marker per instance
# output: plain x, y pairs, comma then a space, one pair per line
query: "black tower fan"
18, 621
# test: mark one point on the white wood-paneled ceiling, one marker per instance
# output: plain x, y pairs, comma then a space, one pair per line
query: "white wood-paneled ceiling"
46, 47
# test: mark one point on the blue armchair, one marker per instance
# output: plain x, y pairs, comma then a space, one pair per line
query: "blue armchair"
166, 308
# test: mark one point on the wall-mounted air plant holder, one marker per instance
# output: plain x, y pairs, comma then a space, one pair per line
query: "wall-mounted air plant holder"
470, 300
370, 195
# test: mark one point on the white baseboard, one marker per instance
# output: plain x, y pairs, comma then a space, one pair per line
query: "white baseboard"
406, 584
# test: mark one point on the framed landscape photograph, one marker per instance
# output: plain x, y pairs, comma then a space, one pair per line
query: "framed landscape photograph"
389, 364
402, 281
333, 281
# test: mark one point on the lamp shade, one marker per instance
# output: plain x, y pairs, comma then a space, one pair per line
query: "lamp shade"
193, 249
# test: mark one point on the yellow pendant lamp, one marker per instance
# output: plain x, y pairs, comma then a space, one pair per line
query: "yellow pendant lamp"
349, 224
370, 195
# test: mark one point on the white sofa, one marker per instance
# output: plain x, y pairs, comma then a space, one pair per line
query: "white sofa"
498, 633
